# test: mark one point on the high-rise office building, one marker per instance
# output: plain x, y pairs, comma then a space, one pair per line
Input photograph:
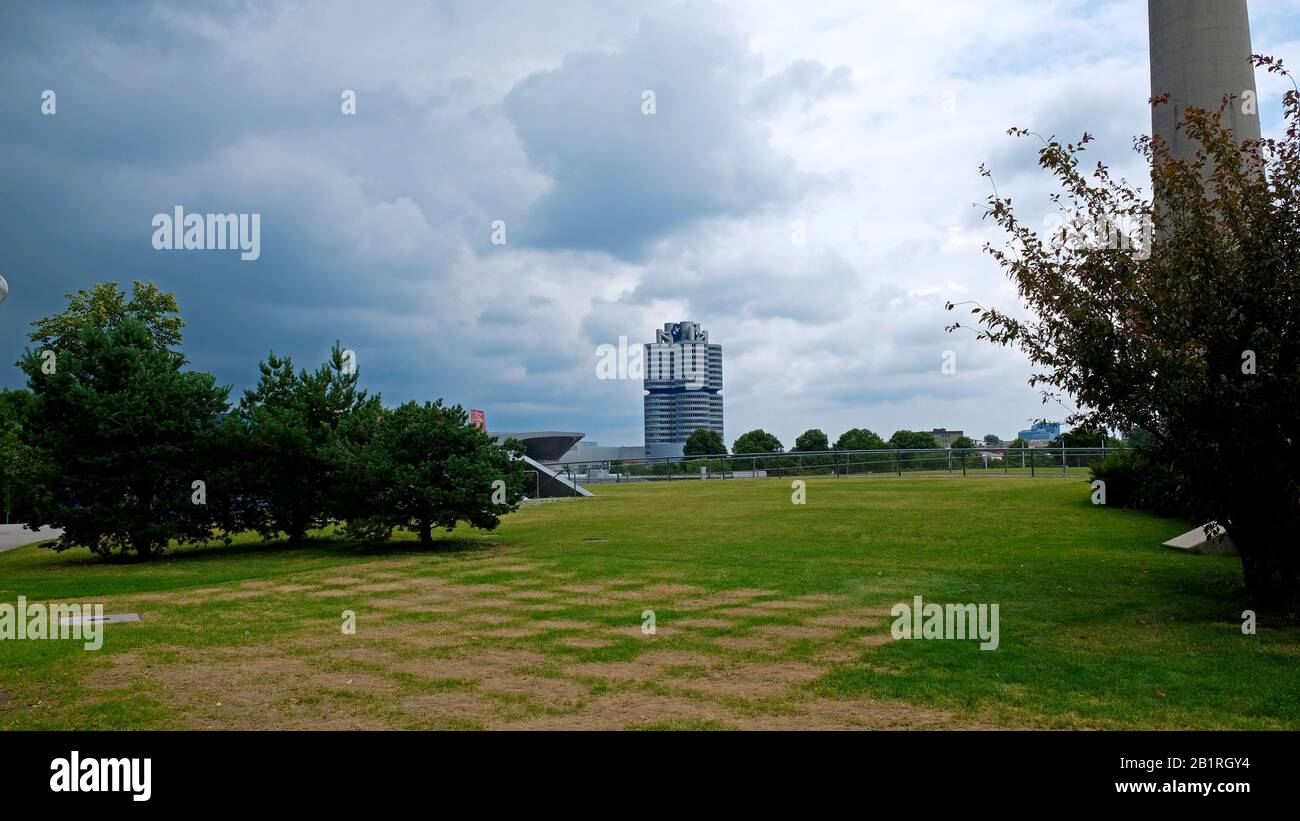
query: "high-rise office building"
683, 382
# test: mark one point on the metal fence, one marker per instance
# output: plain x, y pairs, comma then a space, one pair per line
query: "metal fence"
985, 461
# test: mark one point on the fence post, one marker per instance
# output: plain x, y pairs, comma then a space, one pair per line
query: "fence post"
963, 464
1031, 463
1063, 470
898, 459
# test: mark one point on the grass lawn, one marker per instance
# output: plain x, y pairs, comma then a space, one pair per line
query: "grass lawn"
768, 614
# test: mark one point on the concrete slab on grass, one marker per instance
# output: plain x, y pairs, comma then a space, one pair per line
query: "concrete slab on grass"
1195, 541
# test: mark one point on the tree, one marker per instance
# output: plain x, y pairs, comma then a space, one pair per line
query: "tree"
288, 426
757, 441
912, 440
859, 439
106, 307
1139, 438
812, 440
962, 448
992, 440
704, 442
421, 467
21, 465
129, 433
1195, 339
1077, 438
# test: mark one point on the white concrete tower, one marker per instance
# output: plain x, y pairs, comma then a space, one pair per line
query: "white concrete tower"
1200, 51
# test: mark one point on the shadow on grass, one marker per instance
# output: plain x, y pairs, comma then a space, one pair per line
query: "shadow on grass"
321, 546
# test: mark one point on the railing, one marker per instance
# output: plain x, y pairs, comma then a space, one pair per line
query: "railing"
984, 461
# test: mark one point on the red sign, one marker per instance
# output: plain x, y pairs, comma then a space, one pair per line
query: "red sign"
478, 419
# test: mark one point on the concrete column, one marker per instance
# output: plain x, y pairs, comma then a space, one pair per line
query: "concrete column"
1200, 51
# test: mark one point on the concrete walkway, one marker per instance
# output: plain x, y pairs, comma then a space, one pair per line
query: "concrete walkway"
12, 536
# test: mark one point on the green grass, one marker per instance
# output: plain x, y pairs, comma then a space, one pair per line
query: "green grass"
1100, 625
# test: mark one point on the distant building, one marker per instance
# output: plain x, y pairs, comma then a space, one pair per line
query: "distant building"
946, 437
1041, 433
541, 447
586, 453
683, 383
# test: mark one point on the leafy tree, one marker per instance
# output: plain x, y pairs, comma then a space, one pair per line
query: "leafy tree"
129, 432
859, 439
21, 465
1132, 479
992, 440
1197, 341
912, 440
424, 466
1139, 438
288, 425
15, 406
1018, 443
812, 440
962, 450
105, 307
704, 442
1083, 438
757, 441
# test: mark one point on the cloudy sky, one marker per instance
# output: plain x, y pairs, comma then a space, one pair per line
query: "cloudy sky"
856, 126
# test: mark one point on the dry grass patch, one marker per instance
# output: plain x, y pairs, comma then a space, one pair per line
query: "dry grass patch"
797, 631
619, 711
440, 709
784, 604
648, 667
551, 692
584, 643
563, 624
530, 594
875, 639
712, 624
839, 620
747, 644
752, 681
511, 632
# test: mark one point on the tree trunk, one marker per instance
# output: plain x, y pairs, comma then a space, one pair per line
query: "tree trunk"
140, 544
1268, 566
426, 531
296, 528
